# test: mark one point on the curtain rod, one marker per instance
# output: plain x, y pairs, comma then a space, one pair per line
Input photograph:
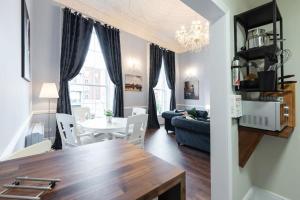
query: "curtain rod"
86, 16
160, 47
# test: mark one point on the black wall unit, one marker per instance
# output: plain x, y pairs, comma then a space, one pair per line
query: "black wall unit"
254, 18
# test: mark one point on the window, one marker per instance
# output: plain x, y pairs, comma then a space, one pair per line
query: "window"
162, 92
92, 87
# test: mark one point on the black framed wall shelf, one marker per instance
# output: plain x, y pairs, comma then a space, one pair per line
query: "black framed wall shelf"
267, 14
257, 90
260, 16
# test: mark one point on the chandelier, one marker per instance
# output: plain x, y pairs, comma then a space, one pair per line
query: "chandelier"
196, 37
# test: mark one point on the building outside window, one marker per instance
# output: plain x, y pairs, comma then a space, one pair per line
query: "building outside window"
92, 87
162, 92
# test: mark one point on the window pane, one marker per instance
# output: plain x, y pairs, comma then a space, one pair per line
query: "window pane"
103, 76
90, 59
99, 60
101, 101
159, 101
75, 98
94, 43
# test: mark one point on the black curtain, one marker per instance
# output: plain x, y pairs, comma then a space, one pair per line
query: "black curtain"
109, 39
169, 60
76, 37
155, 65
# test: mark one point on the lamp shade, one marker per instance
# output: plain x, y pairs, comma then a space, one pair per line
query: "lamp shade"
49, 91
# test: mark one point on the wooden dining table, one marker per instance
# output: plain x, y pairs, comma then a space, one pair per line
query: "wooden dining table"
110, 170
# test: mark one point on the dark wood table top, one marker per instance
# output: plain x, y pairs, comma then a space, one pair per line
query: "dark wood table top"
105, 170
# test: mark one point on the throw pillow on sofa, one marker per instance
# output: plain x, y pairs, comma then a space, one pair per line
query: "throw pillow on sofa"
197, 113
202, 114
192, 113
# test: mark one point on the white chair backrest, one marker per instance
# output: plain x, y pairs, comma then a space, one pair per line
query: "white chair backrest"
34, 149
138, 111
136, 127
81, 113
67, 129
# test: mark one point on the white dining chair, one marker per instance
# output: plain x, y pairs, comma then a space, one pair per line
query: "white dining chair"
67, 130
39, 148
72, 134
138, 111
135, 130
81, 113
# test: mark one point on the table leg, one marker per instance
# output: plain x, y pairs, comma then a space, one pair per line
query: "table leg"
175, 193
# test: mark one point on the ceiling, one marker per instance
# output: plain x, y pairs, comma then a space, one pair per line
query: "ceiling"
153, 20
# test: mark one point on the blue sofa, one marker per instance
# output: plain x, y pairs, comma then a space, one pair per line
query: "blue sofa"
193, 133
168, 115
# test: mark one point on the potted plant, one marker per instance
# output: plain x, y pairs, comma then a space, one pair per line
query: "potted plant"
109, 115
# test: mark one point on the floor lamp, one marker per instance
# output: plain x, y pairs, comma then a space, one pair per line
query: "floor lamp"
48, 91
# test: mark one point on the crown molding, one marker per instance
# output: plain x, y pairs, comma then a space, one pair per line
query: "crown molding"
130, 26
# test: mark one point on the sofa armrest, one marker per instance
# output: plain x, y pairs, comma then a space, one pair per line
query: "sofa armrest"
170, 114
202, 127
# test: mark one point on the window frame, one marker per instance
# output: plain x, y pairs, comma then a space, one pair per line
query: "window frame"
108, 86
164, 89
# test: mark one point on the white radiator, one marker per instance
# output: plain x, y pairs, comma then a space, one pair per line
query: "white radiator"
36, 135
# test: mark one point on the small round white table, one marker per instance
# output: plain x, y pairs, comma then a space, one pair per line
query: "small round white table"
100, 125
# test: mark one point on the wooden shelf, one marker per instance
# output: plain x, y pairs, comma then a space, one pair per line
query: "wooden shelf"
285, 133
248, 141
289, 96
249, 138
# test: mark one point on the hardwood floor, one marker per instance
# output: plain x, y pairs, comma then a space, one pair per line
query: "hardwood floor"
194, 162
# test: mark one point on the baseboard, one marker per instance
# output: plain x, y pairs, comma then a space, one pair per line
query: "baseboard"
256, 193
15, 140
41, 112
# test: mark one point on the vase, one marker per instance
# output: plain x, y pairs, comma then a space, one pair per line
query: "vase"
109, 119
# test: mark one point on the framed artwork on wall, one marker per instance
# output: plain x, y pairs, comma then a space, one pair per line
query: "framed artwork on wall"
25, 46
191, 90
133, 83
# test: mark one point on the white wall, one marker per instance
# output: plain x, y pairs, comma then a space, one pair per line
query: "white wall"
134, 61
194, 66
276, 163
137, 49
46, 28
15, 92
239, 179
221, 144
